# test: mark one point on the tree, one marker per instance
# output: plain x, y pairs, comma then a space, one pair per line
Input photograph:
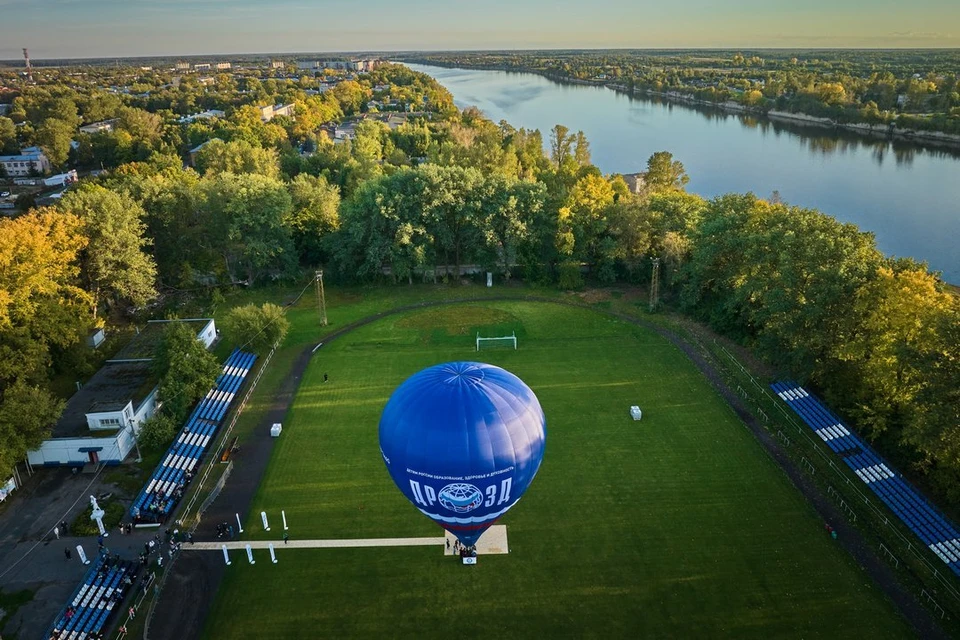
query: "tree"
561, 142
903, 315
115, 264
314, 214
256, 328
238, 156
588, 202
246, 214
664, 173
54, 137
351, 96
185, 368
581, 150
27, 414
157, 432
8, 137
508, 208
38, 264
449, 210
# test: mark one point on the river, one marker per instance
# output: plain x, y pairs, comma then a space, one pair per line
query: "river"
908, 195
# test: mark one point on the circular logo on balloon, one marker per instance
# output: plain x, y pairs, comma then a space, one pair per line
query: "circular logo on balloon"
460, 497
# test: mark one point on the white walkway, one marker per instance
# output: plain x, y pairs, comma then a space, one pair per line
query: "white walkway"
316, 544
493, 541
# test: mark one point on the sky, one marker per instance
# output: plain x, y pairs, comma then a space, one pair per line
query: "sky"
119, 28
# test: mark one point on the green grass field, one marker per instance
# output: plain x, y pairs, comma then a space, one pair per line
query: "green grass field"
678, 526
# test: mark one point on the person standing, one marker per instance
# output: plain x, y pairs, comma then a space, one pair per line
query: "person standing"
56, 532
286, 537
67, 553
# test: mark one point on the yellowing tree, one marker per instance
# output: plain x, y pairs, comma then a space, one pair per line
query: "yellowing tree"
38, 263
902, 312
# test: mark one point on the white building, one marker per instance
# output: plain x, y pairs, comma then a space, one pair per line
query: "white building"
223, 66
202, 66
183, 66
270, 111
31, 160
101, 419
97, 127
203, 115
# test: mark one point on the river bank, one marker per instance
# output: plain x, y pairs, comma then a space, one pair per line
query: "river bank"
888, 131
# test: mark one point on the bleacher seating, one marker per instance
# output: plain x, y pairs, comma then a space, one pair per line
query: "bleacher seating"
938, 533
94, 600
165, 487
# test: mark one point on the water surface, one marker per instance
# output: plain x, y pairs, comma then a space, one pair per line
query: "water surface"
908, 195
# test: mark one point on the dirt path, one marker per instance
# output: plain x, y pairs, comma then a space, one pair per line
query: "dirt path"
194, 578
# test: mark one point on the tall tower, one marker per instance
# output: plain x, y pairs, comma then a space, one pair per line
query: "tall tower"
26, 57
655, 285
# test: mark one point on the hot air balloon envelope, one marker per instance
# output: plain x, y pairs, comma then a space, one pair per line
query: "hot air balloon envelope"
463, 441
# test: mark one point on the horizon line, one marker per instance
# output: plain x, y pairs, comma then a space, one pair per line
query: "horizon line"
441, 51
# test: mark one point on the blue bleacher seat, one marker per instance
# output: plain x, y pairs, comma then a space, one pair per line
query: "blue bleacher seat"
157, 496
930, 526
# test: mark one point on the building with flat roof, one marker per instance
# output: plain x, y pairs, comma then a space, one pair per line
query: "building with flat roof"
102, 419
203, 115
30, 161
97, 127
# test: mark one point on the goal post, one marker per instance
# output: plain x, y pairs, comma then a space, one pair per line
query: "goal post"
511, 338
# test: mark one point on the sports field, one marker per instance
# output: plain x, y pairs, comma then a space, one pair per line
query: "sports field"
678, 526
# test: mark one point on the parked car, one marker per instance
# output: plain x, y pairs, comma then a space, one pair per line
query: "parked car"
4, 194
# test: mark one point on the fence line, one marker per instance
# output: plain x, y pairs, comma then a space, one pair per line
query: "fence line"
136, 605
890, 526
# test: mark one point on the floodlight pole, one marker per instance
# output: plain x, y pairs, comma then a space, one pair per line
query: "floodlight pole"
655, 285
321, 298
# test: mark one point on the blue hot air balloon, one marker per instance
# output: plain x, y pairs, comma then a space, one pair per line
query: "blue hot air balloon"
463, 441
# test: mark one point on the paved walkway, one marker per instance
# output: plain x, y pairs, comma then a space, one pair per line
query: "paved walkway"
353, 543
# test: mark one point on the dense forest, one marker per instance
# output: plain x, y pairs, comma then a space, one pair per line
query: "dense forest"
902, 89
419, 200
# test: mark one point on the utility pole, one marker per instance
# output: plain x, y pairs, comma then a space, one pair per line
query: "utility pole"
655, 285
321, 299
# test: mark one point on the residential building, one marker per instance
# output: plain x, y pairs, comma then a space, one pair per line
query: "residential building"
270, 111
635, 181
102, 419
277, 64
182, 66
31, 160
223, 66
206, 81
345, 131
308, 65
203, 115
98, 127
202, 66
